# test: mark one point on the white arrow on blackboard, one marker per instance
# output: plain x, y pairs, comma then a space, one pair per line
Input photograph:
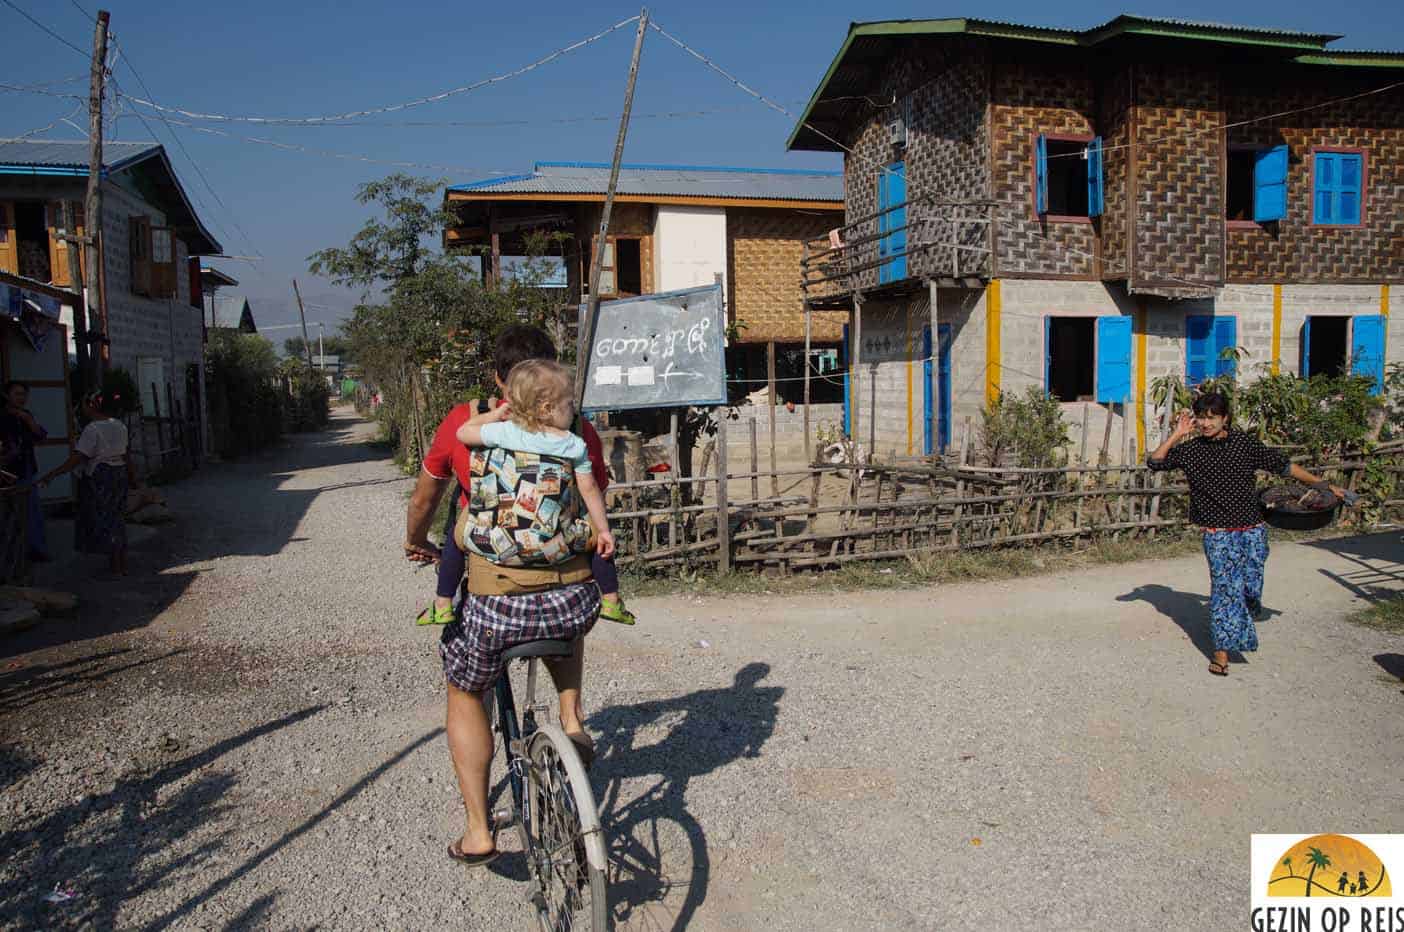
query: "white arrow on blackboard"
668, 373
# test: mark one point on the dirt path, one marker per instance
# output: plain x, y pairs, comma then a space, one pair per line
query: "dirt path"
249, 737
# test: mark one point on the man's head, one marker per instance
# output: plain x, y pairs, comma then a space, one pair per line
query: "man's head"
518, 343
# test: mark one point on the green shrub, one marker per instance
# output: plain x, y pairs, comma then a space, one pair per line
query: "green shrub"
1031, 425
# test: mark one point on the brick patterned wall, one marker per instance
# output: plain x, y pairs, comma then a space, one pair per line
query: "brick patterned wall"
1296, 251
1114, 125
764, 247
943, 87
1179, 208
1030, 99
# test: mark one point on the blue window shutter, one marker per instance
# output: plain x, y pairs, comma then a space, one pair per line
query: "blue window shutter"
1225, 337
1113, 359
1047, 355
1306, 348
897, 221
882, 204
1095, 195
1041, 175
1199, 348
1270, 184
1367, 348
1324, 186
1348, 178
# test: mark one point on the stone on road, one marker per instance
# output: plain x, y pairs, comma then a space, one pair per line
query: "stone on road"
248, 734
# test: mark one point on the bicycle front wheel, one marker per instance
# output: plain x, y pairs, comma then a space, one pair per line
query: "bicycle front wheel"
566, 850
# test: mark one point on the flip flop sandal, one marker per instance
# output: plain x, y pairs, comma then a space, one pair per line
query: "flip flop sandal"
472, 860
434, 616
1218, 669
584, 746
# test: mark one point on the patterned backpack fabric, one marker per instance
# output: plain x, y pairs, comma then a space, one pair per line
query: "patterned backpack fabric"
523, 510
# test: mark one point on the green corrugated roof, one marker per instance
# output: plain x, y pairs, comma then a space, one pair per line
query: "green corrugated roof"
1309, 48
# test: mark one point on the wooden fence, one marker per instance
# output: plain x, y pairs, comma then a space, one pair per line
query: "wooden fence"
827, 515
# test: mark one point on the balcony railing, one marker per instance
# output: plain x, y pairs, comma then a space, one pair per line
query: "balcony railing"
920, 238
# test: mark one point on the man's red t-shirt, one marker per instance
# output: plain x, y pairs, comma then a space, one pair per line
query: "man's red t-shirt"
447, 456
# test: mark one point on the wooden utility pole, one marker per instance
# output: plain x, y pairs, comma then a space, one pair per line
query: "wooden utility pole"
73, 249
95, 300
592, 309
302, 316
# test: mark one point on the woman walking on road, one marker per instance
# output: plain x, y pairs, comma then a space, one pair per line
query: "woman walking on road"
106, 474
1221, 466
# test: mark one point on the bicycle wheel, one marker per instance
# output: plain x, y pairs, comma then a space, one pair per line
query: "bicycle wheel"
567, 851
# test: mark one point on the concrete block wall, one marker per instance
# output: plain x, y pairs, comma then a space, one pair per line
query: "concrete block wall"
789, 431
139, 326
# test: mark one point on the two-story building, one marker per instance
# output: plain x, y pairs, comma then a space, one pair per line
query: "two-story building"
150, 320
674, 227
1085, 211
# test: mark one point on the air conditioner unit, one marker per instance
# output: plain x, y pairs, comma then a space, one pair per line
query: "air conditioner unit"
897, 130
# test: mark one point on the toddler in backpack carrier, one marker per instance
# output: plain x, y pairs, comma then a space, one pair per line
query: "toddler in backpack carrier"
532, 477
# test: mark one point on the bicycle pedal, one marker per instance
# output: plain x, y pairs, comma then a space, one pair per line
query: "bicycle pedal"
503, 818
517, 747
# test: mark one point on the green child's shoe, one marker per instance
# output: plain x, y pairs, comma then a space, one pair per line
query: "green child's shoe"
433, 615
615, 611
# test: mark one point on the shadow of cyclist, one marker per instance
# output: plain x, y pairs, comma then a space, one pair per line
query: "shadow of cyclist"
656, 847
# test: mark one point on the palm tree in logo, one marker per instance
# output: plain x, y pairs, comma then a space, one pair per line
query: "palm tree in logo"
1287, 863
1317, 858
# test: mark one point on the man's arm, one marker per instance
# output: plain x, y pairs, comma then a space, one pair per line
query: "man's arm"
424, 501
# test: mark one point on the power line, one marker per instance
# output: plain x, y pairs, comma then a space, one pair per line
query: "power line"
47, 126
444, 95
36, 22
83, 10
593, 118
198, 170
348, 156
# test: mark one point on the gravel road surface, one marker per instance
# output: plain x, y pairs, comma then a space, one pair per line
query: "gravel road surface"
248, 734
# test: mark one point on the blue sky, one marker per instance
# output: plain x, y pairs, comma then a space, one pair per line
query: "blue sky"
314, 57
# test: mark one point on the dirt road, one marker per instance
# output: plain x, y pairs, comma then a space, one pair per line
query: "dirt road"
249, 736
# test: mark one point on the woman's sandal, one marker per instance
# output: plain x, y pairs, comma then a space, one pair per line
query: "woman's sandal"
1218, 669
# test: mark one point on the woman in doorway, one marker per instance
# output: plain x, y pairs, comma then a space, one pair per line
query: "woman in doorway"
20, 432
1221, 466
105, 475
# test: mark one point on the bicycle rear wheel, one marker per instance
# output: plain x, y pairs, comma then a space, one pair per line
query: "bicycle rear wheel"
567, 852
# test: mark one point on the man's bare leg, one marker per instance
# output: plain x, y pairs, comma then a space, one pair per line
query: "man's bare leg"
567, 673
470, 744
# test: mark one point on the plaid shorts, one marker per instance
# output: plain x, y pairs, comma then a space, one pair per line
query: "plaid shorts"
472, 648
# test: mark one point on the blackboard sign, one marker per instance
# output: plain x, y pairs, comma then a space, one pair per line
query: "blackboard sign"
658, 351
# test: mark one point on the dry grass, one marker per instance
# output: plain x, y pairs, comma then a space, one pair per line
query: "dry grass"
1385, 615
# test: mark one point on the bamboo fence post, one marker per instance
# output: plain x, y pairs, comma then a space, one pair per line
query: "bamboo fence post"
755, 462
723, 512
675, 491
770, 382
1082, 458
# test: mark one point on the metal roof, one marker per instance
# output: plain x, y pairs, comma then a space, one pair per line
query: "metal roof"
855, 70
146, 162
69, 154
709, 181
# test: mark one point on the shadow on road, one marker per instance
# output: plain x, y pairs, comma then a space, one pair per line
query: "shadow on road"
656, 847
1378, 560
261, 907
117, 846
1189, 610
240, 508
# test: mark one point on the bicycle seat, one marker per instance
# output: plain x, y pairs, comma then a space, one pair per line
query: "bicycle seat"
544, 648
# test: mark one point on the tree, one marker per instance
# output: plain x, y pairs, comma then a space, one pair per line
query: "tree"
1287, 863
423, 330
1317, 859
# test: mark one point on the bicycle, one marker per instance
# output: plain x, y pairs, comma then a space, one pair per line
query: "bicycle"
553, 805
